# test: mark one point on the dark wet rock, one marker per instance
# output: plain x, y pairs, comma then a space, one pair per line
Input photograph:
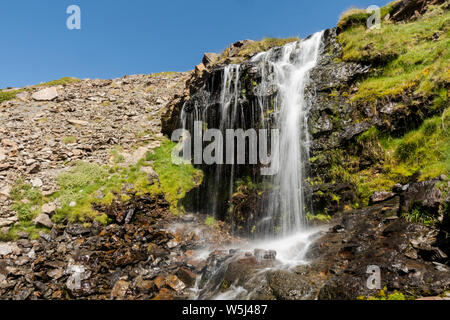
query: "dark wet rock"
409, 256
262, 254
77, 230
286, 285
370, 239
187, 276
332, 198
421, 195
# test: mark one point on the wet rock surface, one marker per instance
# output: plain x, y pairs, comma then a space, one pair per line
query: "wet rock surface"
409, 257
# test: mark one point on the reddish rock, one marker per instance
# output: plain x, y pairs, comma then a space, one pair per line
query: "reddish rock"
187, 276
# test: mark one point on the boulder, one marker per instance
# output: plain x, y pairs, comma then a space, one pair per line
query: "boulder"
423, 195
5, 249
175, 283
199, 69
120, 289
43, 220
48, 208
47, 94
380, 196
210, 58
187, 276
4, 222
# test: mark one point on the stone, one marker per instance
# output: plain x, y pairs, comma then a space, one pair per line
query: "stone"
6, 249
199, 69
423, 195
210, 58
2, 155
37, 183
380, 196
47, 94
43, 220
172, 244
119, 290
145, 285
151, 174
78, 122
175, 283
29, 162
77, 230
164, 294
159, 281
187, 276
4, 222
45, 236
48, 208
156, 251
35, 168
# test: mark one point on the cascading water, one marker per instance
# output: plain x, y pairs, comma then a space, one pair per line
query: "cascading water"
290, 76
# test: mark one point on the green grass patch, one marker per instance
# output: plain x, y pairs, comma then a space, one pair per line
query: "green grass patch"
414, 57
87, 184
264, 45
69, 139
384, 295
321, 217
355, 16
8, 95
60, 82
210, 222
116, 155
252, 48
27, 202
425, 151
175, 180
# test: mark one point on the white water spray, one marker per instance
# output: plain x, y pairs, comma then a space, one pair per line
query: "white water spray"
288, 73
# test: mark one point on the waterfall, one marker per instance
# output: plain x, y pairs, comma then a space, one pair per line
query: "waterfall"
280, 101
280, 90
290, 76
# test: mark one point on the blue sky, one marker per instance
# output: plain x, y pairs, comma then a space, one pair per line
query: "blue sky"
120, 37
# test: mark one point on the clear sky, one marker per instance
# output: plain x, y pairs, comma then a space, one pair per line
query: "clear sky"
123, 37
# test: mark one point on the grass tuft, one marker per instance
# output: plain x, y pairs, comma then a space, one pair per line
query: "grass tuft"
175, 179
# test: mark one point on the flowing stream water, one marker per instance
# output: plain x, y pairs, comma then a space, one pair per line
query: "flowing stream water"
284, 71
